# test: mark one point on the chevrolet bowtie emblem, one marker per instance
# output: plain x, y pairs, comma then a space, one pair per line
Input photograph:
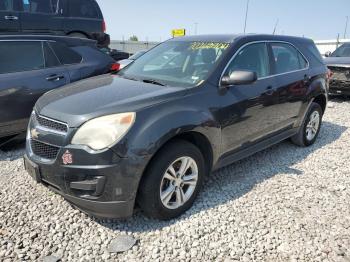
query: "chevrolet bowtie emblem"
34, 133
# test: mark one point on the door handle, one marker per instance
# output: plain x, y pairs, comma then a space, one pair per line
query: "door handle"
54, 78
269, 91
11, 17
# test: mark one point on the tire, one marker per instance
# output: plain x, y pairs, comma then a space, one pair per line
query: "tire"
303, 137
155, 186
78, 35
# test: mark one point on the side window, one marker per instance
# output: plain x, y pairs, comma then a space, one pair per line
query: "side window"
41, 6
83, 8
302, 61
287, 58
21, 56
50, 58
6, 5
66, 55
253, 58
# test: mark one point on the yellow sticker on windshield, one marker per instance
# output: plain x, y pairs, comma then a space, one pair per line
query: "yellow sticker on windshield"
209, 45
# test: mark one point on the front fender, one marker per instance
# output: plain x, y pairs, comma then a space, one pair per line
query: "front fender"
156, 126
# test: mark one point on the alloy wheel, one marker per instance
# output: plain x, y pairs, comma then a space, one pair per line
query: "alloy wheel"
313, 125
179, 182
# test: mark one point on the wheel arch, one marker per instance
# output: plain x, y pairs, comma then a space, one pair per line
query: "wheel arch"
322, 101
78, 32
196, 138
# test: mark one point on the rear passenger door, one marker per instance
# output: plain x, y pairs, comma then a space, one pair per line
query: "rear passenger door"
42, 16
290, 68
9, 16
28, 69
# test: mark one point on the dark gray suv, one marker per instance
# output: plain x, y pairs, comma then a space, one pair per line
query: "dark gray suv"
150, 134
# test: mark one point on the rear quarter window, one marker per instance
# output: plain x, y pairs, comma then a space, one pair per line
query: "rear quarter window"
66, 55
84, 9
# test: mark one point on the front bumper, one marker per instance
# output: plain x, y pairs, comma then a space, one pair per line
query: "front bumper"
107, 191
339, 87
102, 184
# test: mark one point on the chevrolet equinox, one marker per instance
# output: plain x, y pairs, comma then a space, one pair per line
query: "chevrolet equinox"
149, 134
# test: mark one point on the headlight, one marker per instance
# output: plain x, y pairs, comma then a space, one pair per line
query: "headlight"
102, 132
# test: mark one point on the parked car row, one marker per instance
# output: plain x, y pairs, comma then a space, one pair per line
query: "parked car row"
150, 134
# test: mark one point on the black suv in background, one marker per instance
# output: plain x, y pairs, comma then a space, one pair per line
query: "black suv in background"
77, 18
151, 133
32, 65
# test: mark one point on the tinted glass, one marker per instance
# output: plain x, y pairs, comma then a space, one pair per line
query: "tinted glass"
66, 55
177, 63
287, 58
40, 6
252, 58
20, 56
83, 8
6, 5
50, 58
343, 51
302, 61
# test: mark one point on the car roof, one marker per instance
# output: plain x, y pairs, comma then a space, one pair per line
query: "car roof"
69, 41
230, 38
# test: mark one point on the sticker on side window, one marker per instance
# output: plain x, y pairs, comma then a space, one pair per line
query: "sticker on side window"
208, 45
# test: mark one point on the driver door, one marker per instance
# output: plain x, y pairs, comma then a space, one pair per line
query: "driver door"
250, 112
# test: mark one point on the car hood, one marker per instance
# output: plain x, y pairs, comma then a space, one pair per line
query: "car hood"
77, 103
337, 61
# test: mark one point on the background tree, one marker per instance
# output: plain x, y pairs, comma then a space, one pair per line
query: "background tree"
134, 38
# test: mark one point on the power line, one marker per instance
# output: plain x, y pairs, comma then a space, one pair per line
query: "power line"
275, 28
246, 16
346, 26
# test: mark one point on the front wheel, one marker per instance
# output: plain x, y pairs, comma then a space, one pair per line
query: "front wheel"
172, 181
311, 127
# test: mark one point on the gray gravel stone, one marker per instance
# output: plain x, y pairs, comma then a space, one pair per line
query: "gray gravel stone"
283, 204
51, 259
122, 244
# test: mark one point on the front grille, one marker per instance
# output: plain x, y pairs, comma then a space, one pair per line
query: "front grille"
44, 150
51, 124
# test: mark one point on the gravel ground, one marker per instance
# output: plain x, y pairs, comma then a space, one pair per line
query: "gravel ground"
283, 204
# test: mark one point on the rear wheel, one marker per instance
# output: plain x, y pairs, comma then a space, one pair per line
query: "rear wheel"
310, 129
172, 181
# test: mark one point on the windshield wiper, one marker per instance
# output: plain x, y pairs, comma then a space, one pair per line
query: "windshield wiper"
152, 81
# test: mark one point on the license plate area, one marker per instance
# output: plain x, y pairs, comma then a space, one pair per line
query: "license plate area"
32, 169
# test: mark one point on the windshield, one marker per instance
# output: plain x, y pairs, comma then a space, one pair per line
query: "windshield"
343, 51
176, 63
137, 55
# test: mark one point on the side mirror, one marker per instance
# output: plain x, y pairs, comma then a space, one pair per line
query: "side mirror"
239, 78
328, 54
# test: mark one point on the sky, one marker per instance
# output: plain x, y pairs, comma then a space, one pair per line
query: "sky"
153, 20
